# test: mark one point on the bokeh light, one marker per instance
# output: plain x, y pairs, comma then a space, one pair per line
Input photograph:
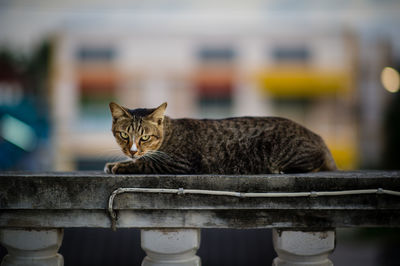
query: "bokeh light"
390, 79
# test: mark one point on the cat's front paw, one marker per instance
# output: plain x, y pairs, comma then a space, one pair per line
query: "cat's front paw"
119, 168
108, 168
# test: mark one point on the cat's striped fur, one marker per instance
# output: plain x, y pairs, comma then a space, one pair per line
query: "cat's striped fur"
241, 145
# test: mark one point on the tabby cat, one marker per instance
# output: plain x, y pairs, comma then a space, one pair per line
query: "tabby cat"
158, 144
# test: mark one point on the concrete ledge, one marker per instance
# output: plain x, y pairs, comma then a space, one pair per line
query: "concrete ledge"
79, 199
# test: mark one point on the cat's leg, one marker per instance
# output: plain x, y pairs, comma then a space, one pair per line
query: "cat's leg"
143, 166
320, 163
304, 162
276, 171
329, 163
108, 167
120, 167
136, 167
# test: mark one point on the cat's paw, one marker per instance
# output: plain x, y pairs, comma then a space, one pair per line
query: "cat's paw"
108, 168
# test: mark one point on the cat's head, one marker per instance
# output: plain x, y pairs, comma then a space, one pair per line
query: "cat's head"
138, 131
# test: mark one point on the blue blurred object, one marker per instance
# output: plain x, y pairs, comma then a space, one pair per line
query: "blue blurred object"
18, 133
22, 128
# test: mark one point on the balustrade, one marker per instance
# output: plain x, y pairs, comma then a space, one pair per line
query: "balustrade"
302, 209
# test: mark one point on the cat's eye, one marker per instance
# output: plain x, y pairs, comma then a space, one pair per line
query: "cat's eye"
124, 135
145, 138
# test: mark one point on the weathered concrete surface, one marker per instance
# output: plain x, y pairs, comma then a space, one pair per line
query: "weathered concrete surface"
80, 199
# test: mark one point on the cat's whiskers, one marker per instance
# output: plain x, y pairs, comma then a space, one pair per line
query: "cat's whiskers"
151, 157
155, 156
160, 154
116, 157
110, 154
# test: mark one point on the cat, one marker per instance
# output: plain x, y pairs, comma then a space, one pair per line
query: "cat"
158, 144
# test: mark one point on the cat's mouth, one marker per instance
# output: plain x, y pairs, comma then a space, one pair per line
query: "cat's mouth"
134, 155
131, 155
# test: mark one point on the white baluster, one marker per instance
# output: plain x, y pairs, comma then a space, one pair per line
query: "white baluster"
172, 247
32, 247
295, 248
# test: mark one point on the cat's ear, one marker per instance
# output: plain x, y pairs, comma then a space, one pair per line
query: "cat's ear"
118, 111
157, 115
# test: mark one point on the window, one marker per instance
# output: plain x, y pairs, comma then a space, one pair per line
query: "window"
300, 54
97, 82
215, 81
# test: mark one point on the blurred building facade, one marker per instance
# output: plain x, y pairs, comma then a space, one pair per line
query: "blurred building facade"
316, 63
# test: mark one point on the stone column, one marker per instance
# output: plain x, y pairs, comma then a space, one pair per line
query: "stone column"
172, 247
295, 248
32, 247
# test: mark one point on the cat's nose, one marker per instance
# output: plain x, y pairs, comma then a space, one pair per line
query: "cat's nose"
134, 147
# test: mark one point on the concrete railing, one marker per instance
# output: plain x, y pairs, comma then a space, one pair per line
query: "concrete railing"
302, 209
